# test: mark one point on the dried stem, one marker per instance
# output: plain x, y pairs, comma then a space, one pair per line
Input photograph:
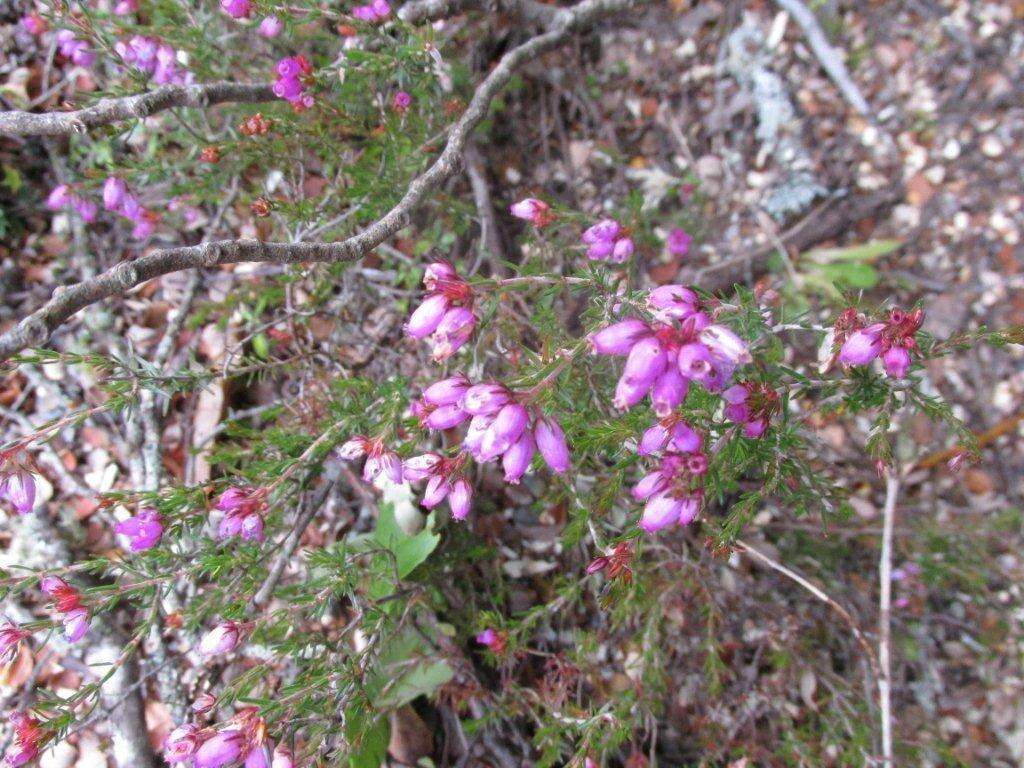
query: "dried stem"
742, 546
892, 488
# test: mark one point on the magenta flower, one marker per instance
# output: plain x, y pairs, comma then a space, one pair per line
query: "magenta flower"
619, 338
445, 315
144, 530
181, 743
892, 340
59, 197
289, 85
18, 488
607, 241
863, 346
11, 636
243, 513
454, 330
535, 211
446, 391
33, 23
258, 756
665, 509
74, 50
381, 461
220, 750
551, 443
27, 740
376, 11
492, 639
460, 499
421, 467
114, 190
204, 703
678, 241
401, 101
427, 316
752, 405
445, 417
236, 9
896, 361
674, 302
517, 458
223, 638
271, 26
76, 624
124, 7
485, 399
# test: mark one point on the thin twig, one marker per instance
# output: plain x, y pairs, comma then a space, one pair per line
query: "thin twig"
302, 521
892, 489
819, 593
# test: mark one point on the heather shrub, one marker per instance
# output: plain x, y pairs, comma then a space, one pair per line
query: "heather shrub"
326, 557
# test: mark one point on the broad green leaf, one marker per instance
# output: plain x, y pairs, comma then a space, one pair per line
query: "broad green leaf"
367, 736
409, 551
403, 672
863, 252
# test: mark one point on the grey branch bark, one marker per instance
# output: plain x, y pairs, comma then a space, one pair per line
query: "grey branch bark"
112, 110
35, 329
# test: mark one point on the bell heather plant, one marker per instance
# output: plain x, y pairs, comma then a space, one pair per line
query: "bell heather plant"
314, 566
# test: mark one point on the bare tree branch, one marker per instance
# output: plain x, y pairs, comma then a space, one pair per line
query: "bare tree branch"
35, 329
113, 110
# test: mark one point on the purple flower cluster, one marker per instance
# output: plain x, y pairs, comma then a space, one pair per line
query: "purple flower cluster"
752, 405
608, 241
11, 636
663, 357
678, 241
672, 493
379, 459
271, 26
444, 481
243, 513
151, 57
242, 740
289, 86
535, 211
401, 102
501, 424
61, 197
69, 602
18, 488
143, 531
74, 50
373, 12
892, 340
223, 638
446, 313
237, 9
118, 199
